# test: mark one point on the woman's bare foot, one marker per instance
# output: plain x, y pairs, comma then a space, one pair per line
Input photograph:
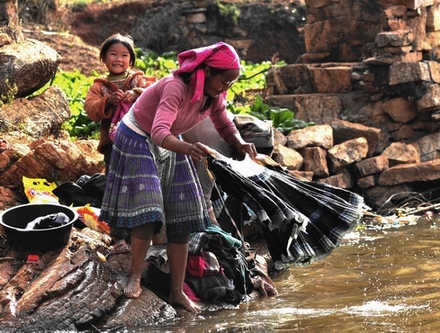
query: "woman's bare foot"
185, 302
133, 287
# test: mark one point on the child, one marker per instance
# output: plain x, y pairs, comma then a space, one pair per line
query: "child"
152, 180
110, 97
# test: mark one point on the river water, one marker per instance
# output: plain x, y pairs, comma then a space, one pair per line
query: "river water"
378, 280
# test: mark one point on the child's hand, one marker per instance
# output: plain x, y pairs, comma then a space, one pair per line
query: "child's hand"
116, 97
130, 96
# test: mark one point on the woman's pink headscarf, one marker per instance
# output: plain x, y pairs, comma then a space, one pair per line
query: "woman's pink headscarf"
219, 56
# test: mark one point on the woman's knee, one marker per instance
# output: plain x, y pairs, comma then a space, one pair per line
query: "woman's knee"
178, 239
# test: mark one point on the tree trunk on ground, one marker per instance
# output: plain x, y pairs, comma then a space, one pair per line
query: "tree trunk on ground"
25, 67
71, 288
9, 20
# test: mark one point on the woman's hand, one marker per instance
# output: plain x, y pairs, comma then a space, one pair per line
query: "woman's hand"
242, 146
247, 148
198, 151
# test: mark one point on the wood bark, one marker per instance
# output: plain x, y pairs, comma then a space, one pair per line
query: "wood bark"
71, 288
25, 67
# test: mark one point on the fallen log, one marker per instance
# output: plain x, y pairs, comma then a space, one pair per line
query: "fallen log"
25, 67
71, 288
80, 287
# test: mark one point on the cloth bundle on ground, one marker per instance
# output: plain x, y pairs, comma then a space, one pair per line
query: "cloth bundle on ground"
302, 221
86, 190
217, 269
48, 221
230, 254
259, 132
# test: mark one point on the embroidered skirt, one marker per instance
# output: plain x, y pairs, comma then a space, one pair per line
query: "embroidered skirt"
147, 183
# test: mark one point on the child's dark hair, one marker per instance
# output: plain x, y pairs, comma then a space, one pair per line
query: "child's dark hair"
126, 40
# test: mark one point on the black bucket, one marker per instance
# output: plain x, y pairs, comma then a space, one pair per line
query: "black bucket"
14, 221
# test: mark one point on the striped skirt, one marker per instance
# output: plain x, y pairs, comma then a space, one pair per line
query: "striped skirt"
147, 183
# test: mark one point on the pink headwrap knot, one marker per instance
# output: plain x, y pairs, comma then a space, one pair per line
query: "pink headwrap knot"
219, 56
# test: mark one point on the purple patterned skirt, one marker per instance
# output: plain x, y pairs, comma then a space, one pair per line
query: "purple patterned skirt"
147, 183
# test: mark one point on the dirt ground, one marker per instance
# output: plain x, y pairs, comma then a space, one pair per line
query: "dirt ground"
61, 30
76, 33
75, 54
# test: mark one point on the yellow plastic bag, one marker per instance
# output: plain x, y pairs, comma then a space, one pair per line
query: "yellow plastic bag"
39, 190
89, 216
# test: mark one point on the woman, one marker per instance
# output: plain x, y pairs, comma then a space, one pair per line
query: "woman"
151, 177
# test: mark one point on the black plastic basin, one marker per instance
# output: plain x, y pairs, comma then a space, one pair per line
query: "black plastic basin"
14, 221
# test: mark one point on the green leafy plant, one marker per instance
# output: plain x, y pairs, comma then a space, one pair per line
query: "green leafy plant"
11, 91
282, 119
153, 64
229, 11
75, 85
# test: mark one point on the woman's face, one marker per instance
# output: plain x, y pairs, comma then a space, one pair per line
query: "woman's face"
217, 84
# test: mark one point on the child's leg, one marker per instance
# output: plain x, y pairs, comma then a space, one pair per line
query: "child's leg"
119, 237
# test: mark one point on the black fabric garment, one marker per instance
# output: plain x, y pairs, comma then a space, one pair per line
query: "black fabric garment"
71, 194
90, 192
302, 221
95, 186
236, 268
157, 281
213, 288
233, 209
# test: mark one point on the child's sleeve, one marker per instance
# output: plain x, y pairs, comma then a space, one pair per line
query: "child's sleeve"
144, 82
95, 102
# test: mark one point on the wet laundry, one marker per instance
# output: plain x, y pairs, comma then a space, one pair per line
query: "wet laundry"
48, 221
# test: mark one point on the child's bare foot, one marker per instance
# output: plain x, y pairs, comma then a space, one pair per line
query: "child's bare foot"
185, 302
121, 246
133, 287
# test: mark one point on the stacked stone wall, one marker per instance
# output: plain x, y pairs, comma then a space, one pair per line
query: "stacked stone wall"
385, 90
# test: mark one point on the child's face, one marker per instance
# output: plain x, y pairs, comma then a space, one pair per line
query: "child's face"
117, 59
217, 84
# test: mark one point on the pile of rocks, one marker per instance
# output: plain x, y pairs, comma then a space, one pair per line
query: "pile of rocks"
378, 110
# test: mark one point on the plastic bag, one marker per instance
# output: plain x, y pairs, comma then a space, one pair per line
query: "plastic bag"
39, 190
88, 215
